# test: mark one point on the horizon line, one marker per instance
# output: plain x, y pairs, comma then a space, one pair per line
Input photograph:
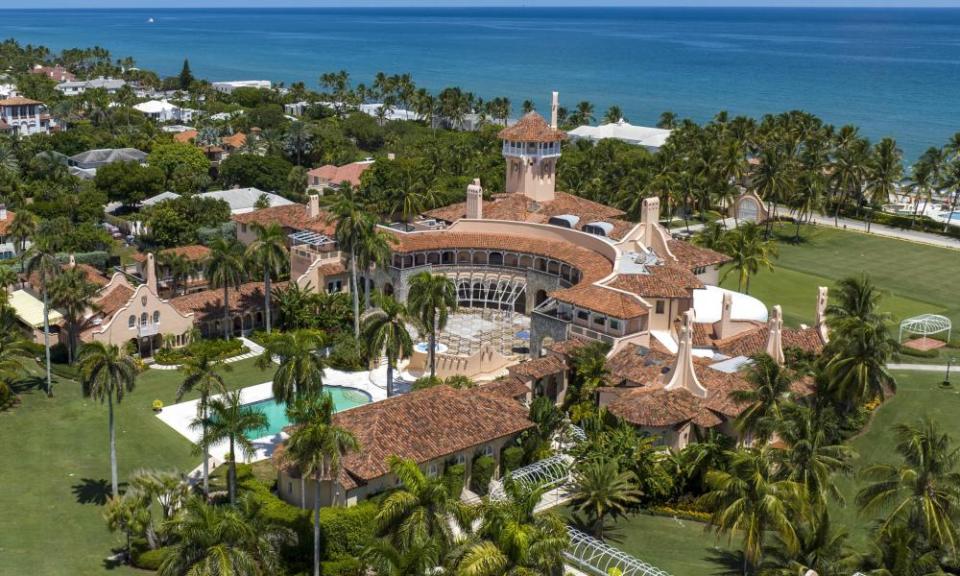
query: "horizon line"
500, 5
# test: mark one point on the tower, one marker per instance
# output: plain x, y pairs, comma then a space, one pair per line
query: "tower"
531, 148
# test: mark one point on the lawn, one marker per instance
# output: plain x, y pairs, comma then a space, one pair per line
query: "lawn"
55, 473
918, 278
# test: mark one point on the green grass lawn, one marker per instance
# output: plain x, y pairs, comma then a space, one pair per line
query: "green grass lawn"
56, 470
918, 278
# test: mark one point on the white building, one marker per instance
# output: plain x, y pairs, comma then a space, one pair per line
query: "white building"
230, 86
241, 200
650, 138
8, 90
111, 85
392, 113
164, 111
24, 117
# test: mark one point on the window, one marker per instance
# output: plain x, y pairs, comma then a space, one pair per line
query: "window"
614, 324
583, 315
660, 307
132, 321
599, 320
289, 487
156, 316
243, 228
143, 319
487, 450
432, 470
461, 459
143, 301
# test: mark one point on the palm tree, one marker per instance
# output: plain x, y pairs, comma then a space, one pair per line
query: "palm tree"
514, 539
301, 364
821, 547
106, 373
389, 560
23, 227
422, 509
750, 252
584, 113
668, 121
884, 172
222, 540
178, 266
229, 419
225, 270
42, 260
431, 300
14, 352
374, 250
385, 332
316, 446
709, 452
73, 295
613, 115
602, 489
203, 375
765, 399
352, 226
809, 458
774, 179
922, 492
921, 184
297, 140
749, 501
269, 254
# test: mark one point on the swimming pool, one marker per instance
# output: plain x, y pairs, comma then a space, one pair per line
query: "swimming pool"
424, 347
343, 399
954, 220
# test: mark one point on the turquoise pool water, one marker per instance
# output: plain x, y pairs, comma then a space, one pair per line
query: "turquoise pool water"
343, 399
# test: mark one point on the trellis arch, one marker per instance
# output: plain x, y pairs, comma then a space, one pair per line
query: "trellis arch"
598, 558
548, 473
925, 325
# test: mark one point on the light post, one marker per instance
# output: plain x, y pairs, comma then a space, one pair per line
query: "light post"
946, 380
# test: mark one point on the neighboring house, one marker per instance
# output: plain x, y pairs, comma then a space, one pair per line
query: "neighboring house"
246, 309
8, 245
392, 113
331, 176
229, 86
56, 73
195, 281
650, 138
8, 90
24, 117
164, 111
241, 200
75, 88
434, 427
93, 159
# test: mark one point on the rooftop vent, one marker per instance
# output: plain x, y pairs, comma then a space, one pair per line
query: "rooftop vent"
564, 220
599, 228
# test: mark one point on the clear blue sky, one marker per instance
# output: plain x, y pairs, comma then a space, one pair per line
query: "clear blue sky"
432, 3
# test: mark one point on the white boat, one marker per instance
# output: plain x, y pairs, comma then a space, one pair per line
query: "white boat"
150, 20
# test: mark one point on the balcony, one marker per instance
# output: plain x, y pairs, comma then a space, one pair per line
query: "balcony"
535, 150
148, 329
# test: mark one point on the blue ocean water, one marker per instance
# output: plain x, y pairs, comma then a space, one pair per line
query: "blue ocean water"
893, 72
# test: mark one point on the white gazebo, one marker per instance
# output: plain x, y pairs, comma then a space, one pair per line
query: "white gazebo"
926, 325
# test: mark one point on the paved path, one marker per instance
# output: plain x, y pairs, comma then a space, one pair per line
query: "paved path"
925, 368
254, 351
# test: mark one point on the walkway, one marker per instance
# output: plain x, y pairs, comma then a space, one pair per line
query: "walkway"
924, 368
254, 351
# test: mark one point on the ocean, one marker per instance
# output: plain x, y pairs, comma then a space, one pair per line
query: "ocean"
892, 72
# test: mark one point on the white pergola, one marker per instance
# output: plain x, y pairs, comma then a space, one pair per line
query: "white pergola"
925, 325
598, 558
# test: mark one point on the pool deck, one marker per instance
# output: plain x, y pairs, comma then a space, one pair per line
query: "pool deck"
179, 416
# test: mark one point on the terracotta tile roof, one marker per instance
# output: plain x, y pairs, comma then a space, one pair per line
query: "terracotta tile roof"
427, 424
7, 222
519, 208
194, 253
538, 367
659, 408
639, 366
691, 256
58, 73
293, 216
114, 299
93, 275
667, 281
603, 300
332, 269
532, 128
234, 141
569, 346
807, 339
592, 266
18, 101
334, 175
185, 136
754, 341
508, 386
210, 302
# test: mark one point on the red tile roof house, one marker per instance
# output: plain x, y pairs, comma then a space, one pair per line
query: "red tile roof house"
434, 427
331, 176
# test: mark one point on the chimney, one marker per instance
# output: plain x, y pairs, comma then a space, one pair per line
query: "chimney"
554, 109
391, 156
775, 339
684, 377
72, 262
151, 273
3, 212
475, 200
821, 319
726, 316
314, 210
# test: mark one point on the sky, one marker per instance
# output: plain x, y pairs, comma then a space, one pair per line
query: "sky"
14, 4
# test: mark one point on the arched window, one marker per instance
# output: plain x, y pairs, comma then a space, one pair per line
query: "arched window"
143, 319
156, 316
132, 321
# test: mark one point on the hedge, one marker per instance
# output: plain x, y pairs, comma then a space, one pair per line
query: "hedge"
511, 458
453, 477
906, 351
150, 559
343, 566
482, 473
694, 515
214, 349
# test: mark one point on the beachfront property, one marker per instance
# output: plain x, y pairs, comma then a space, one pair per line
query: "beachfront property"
24, 117
77, 87
8, 245
164, 111
56, 73
227, 87
650, 138
240, 200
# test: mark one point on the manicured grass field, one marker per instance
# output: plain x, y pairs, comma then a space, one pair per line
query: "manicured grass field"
56, 469
918, 278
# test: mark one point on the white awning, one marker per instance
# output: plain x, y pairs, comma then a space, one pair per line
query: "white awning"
29, 309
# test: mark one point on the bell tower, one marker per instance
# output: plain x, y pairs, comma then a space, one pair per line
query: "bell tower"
531, 148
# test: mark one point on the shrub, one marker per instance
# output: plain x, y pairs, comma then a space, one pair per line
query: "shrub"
348, 354
58, 353
453, 478
215, 349
906, 351
342, 566
426, 382
671, 512
347, 531
150, 559
482, 473
511, 458
459, 381
65, 371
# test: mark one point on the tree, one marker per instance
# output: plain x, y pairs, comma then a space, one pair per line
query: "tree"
922, 492
129, 182
268, 253
252, 171
231, 420
352, 226
186, 76
301, 364
749, 501
203, 375
385, 332
389, 560
613, 115
431, 300
770, 390
14, 352
317, 446
222, 540
178, 266
23, 227
107, 373
809, 458
601, 489
42, 260
225, 270
187, 158
750, 253
73, 295
668, 121
821, 547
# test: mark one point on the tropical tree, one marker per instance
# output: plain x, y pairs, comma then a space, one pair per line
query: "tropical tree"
268, 253
298, 140
388, 560
317, 446
922, 492
106, 374
750, 252
353, 226
601, 489
225, 270
821, 547
431, 300
229, 419
42, 261
385, 332
178, 266
73, 295
668, 121
202, 374
224, 540
301, 364
884, 171
14, 352
765, 399
613, 115
710, 451
23, 227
